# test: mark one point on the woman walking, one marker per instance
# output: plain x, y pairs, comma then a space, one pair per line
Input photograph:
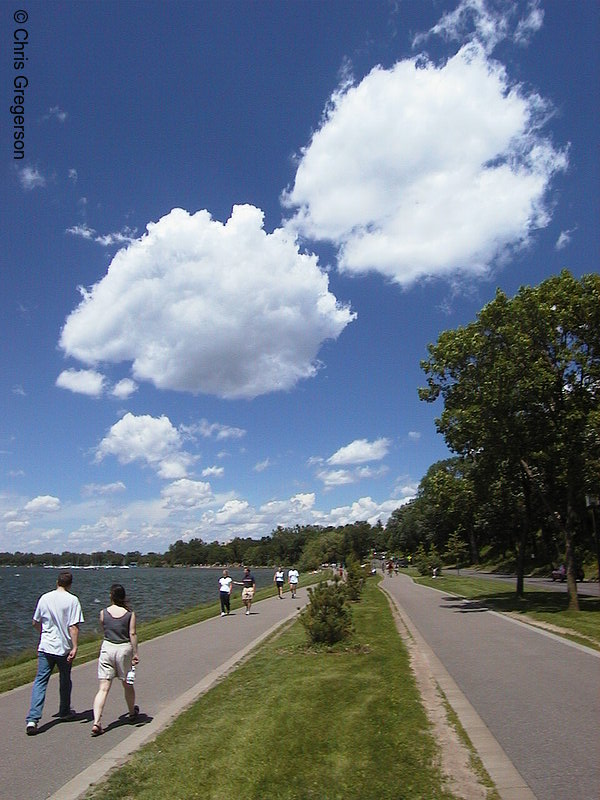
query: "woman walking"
118, 654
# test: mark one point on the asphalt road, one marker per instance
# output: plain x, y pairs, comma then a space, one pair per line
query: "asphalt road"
589, 589
538, 695
63, 758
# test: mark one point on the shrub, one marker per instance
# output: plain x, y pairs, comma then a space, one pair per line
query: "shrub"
355, 580
327, 618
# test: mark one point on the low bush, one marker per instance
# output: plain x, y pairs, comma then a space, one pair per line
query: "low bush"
327, 619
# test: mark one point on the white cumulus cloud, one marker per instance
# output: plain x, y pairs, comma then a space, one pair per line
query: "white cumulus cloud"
360, 451
84, 381
124, 388
43, 504
186, 494
426, 170
200, 306
151, 440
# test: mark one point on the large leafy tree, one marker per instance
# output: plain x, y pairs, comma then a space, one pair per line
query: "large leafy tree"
521, 388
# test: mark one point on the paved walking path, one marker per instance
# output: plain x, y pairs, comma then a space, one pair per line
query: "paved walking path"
530, 701
63, 759
536, 694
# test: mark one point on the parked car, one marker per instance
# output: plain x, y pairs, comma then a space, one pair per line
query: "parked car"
560, 574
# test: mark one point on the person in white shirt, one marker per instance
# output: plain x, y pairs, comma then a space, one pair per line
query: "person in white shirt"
293, 576
225, 587
278, 580
57, 616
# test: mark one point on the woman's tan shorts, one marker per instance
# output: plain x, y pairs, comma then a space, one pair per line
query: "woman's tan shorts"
114, 660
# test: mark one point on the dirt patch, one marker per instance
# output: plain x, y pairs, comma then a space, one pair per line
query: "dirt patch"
461, 778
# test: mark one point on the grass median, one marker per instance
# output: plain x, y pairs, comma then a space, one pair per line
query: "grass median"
298, 722
21, 669
539, 606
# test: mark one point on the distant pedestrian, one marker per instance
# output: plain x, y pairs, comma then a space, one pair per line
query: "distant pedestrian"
57, 616
278, 580
248, 585
293, 576
225, 587
118, 654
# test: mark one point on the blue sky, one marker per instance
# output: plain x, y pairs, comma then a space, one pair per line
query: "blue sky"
234, 230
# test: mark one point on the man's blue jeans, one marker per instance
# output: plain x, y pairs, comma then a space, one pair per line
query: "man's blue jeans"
46, 664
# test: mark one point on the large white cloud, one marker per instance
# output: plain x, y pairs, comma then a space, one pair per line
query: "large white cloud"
424, 170
201, 306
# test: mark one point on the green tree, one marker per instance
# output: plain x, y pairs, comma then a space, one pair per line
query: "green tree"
521, 387
456, 549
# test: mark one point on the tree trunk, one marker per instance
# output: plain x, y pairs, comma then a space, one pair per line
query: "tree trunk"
473, 546
571, 577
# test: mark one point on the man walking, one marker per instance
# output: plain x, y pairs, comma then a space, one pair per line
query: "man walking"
293, 576
57, 616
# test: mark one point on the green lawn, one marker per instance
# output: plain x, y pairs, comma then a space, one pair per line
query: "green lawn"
538, 604
295, 723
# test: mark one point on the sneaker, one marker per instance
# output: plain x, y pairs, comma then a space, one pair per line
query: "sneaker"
71, 714
222, 613
31, 728
247, 613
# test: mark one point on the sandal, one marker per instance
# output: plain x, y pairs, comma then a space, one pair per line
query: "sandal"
136, 711
97, 729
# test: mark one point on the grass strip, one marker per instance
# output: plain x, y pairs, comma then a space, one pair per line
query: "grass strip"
21, 669
537, 605
298, 722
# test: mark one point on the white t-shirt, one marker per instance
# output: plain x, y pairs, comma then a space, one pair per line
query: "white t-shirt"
279, 576
225, 584
57, 611
293, 576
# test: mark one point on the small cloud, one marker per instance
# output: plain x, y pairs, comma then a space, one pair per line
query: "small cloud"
16, 473
18, 389
31, 178
360, 451
564, 239
43, 504
84, 231
124, 389
414, 436
84, 381
213, 472
92, 489
262, 465
125, 236
73, 175
216, 430
55, 112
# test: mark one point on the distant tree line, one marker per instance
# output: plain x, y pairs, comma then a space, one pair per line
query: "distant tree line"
306, 546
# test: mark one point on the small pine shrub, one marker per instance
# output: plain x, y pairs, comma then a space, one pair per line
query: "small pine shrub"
327, 619
355, 580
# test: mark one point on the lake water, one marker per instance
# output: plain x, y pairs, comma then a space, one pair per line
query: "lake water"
152, 592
